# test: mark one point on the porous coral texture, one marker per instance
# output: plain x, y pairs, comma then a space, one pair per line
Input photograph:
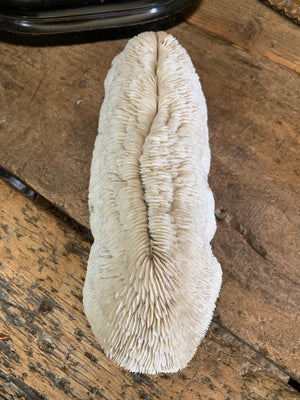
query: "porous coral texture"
152, 280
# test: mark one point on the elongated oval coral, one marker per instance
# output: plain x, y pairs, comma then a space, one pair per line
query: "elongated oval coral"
152, 280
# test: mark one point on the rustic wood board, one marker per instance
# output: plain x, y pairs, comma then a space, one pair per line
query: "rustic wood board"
47, 347
252, 26
51, 97
49, 101
257, 302
48, 141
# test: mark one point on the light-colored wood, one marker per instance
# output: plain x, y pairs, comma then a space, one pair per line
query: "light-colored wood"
48, 350
252, 26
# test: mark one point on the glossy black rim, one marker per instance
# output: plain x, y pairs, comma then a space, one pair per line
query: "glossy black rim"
29, 17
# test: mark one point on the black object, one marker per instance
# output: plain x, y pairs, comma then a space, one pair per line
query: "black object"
60, 16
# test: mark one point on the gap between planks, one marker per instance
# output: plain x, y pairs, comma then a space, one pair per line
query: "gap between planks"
45, 304
265, 362
262, 70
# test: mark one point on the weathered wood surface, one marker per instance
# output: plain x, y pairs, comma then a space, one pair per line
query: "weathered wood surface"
49, 102
48, 350
50, 99
252, 26
257, 302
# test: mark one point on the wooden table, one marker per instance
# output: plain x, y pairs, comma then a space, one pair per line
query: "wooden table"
248, 59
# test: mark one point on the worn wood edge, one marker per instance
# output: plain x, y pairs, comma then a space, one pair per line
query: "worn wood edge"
29, 192
21, 186
220, 320
251, 307
261, 359
263, 362
16, 380
222, 220
81, 214
288, 8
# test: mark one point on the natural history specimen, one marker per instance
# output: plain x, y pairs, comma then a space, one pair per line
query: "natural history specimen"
152, 280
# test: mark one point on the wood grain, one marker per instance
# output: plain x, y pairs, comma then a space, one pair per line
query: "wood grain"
48, 350
49, 102
259, 297
252, 26
255, 158
48, 141
50, 99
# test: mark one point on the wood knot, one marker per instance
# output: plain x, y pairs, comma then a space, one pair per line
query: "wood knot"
45, 306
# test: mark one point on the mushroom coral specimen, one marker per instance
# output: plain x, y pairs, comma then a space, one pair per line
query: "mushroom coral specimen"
152, 280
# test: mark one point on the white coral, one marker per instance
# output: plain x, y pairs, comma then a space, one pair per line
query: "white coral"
152, 280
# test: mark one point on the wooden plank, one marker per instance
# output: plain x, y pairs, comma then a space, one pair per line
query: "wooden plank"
47, 347
254, 135
49, 101
251, 26
255, 159
253, 108
257, 302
